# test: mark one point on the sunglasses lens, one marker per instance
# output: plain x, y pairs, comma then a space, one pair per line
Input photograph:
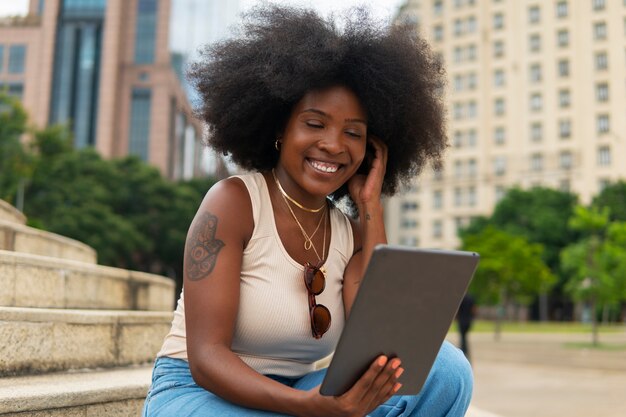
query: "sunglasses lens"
315, 280
320, 317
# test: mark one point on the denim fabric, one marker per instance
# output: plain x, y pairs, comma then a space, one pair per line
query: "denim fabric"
447, 392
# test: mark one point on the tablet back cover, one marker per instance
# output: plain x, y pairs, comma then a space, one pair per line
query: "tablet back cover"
404, 308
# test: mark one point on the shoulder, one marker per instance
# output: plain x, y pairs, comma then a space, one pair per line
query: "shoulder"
228, 207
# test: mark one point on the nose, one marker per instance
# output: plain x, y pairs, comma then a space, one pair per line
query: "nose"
333, 143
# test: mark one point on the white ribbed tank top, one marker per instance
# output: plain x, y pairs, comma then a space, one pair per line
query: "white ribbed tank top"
273, 329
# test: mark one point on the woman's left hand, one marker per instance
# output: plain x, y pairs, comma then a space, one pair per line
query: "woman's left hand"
366, 189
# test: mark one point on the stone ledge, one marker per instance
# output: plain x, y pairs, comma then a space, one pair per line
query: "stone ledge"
39, 281
46, 340
66, 393
10, 213
19, 238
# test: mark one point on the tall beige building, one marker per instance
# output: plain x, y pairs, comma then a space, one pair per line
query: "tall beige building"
536, 96
104, 67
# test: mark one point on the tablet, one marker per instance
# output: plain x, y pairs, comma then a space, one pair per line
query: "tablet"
404, 308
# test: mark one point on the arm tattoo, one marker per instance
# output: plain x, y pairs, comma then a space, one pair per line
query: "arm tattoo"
202, 248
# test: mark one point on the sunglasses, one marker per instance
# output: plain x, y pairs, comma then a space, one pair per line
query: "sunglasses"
315, 282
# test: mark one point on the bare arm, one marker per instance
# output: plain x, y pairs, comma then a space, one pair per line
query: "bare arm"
213, 257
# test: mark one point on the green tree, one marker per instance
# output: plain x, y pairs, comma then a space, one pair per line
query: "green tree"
511, 269
595, 263
539, 215
15, 161
613, 197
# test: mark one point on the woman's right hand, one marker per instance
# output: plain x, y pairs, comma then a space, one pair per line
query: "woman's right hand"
374, 388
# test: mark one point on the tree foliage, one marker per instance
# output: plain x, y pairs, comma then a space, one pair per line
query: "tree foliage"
123, 208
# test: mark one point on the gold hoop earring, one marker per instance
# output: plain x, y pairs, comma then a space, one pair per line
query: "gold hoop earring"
277, 144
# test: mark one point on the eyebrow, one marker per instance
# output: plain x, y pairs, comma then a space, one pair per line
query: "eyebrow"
321, 113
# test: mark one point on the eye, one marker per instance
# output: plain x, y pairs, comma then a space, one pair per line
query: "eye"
314, 124
354, 134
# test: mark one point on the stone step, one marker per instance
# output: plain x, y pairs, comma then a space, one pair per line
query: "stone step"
116, 392
19, 238
40, 281
11, 214
34, 340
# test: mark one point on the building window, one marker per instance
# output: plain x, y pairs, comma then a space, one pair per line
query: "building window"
500, 193
1, 58
499, 107
458, 54
536, 132
498, 49
562, 38
458, 169
458, 139
438, 173
17, 59
458, 83
471, 196
499, 136
535, 73
498, 78
471, 138
564, 98
471, 80
536, 162
472, 168
565, 160
598, 5
471, 109
438, 33
534, 14
498, 21
145, 31
536, 102
565, 129
534, 42
499, 165
561, 9
438, 7
139, 135
604, 156
13, 89
602, 123
458, 111
563, 68
437, 229
458, 27
599, 30
564, 185
602, 92
471, 24
437, 199
408, 206
602, 61
471, 52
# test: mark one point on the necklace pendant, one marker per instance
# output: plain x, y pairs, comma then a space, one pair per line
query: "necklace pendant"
308, 244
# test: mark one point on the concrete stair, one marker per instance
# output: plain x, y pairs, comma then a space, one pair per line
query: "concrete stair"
76, 338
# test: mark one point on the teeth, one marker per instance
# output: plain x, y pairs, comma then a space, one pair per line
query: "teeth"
324, 167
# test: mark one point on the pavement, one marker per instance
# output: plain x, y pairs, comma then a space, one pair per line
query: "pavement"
547, 375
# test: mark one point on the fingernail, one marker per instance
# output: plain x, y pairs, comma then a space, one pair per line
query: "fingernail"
399, 372
382, 360
397, 387
395, 364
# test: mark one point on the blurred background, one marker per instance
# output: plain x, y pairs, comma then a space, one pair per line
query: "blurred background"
98, 143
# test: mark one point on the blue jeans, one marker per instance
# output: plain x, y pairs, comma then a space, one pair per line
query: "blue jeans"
447, 392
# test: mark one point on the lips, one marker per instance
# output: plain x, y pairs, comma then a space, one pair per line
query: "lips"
327, 167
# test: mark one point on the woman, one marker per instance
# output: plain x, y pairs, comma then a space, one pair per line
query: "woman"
272, 266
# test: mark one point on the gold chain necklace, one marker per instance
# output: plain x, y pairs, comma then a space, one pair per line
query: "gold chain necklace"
288, 197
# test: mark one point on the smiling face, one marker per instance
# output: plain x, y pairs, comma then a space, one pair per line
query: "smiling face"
323, 143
